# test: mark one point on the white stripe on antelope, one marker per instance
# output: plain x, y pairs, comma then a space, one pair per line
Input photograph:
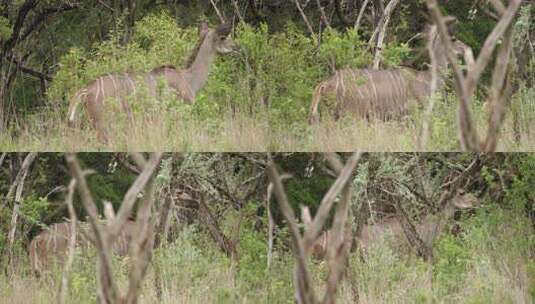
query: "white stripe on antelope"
51, 245
184, 83
380, 94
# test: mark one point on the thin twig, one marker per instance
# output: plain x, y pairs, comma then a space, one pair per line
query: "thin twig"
221, 18
307, 23
361, 13
237, 9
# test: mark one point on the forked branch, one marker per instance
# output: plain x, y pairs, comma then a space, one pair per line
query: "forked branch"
338, 251
105, 234
465, 85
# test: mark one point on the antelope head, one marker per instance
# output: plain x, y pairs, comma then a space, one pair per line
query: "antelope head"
463, 200
220, 37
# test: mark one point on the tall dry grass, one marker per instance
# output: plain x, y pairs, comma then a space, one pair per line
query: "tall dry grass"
182, 129
490, 261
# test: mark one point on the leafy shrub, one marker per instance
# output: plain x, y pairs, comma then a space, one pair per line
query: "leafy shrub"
341, 50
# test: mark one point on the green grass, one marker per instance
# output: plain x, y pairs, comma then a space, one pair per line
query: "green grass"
491, 261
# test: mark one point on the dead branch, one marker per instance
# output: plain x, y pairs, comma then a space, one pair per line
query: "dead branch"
327, 201
17, 187
221, 17
107, 290
63, 289
305, 19
338, 251
424, 250
106, 234
304, 292
387, 14
141, 248
210, 221
237, 10
270, 226
2, 157
132, 193
465, 86
500, 91
426, 125
361, 13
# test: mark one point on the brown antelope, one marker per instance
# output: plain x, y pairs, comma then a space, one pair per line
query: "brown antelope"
51, 245
428, 229
184, 83
380, 94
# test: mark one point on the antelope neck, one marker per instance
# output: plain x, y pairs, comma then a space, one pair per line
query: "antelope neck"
197, 74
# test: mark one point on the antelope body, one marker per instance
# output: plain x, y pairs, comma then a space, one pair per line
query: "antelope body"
51, 245
428, 229
379, 94
185, 84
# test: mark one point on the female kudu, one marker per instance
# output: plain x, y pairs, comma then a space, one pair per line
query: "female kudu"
184, 83
381, 94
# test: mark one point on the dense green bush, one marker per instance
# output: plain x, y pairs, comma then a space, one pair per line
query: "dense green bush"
273, 73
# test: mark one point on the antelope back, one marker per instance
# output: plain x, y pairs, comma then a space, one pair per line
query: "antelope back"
373, 234
51, 245
380, 94
428, 228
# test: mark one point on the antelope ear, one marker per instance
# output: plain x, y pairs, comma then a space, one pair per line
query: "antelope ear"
203, 29
451, 23
224, 29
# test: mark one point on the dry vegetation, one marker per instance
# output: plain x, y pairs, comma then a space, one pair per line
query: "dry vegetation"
240, 132
215, 242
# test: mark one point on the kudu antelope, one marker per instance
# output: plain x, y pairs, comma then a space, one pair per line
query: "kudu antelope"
428, 228
380, 94
184, 83
51, 245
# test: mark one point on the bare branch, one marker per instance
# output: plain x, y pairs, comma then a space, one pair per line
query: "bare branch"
64, 286
327, 201
466, 86
270, 225
237, 10
17, 187
132, 193
499, 92
108, 291
339, 249
221, 17
142, 245
305, 293
490, 43
361, 13
105, 235
305, 19
382, 33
